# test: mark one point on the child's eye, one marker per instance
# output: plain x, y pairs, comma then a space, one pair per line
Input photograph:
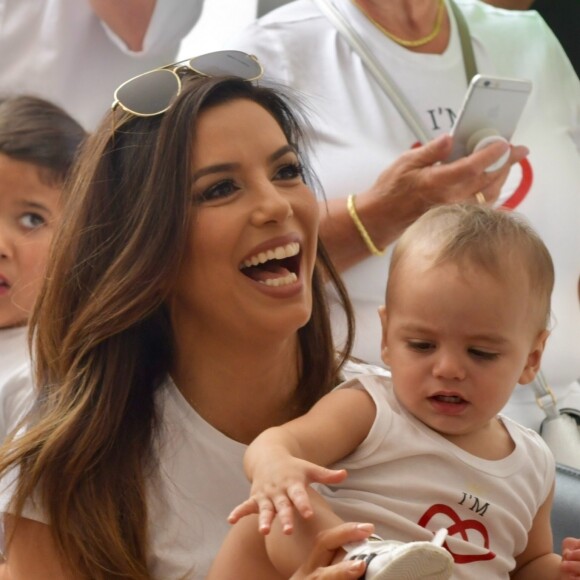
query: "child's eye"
31, 221
421, 345
483, 354
217, 191
290, 171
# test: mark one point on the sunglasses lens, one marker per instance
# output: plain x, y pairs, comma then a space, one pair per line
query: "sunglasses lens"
227, 63
150, 93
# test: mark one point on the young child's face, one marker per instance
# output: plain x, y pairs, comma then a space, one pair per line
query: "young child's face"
458, 340
29, 211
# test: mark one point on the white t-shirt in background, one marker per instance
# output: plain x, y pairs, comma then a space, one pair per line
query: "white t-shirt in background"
61, 51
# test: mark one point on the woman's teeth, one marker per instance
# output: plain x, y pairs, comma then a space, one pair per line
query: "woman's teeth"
289, 279
278, 253
275, 267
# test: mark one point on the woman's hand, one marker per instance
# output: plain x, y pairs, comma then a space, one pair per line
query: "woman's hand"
319, 564
417, 180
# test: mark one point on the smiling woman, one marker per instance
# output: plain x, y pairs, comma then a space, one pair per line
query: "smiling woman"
252, 205
185, 314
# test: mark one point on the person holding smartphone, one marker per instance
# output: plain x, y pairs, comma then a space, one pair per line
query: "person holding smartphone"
378, 178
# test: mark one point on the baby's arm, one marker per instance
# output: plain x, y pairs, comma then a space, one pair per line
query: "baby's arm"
538, 559
283, 460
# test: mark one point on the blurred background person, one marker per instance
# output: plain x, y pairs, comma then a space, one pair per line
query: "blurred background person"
562, 16
76, 52
364, 147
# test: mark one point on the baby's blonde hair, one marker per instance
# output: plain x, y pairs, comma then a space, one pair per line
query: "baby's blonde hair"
475, 235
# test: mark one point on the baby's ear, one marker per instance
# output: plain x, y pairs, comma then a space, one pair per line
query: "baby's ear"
384, 349
534, 358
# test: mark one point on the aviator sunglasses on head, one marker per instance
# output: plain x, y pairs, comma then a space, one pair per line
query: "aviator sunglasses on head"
152, 93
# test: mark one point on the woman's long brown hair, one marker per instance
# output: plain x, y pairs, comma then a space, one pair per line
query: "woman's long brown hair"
102, 337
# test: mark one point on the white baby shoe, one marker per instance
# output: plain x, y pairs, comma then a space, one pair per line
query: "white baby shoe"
392, 560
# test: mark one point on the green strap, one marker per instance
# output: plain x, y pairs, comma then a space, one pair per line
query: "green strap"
465, 39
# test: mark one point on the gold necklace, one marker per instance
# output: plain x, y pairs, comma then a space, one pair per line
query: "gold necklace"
409, 43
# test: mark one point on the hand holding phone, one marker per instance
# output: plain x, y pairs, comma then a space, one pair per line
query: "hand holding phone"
490, 112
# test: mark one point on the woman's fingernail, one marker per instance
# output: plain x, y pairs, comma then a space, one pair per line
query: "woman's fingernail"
356, 566
365, 527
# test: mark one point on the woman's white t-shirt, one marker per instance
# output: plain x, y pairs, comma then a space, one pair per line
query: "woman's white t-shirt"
199, 481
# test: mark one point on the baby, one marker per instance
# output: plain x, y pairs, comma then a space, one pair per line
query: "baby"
465, 320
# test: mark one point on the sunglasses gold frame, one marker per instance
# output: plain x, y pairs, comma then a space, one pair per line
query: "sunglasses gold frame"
174, 69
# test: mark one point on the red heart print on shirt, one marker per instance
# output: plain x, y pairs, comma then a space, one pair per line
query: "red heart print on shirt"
460, 527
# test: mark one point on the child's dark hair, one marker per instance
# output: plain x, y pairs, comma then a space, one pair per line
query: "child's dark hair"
38, 132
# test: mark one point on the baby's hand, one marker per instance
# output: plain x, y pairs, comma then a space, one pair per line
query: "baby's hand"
570, 567
280, 487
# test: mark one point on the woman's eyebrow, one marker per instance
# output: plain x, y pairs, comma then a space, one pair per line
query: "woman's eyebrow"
281, 152
221, 167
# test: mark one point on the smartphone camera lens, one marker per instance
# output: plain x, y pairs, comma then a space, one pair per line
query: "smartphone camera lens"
487, 83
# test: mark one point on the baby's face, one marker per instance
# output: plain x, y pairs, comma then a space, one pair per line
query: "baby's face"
29, 212
458, 340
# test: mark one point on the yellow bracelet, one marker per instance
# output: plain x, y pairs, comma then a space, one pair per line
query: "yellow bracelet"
361, 229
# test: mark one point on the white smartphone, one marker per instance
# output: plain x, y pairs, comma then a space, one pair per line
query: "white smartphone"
492, 106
